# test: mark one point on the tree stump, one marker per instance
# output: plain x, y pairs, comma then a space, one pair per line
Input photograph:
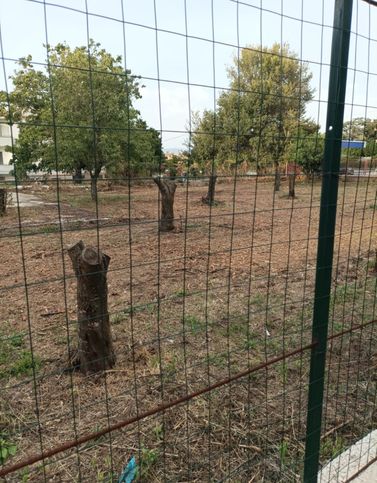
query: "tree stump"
3, 201
277, 178
95, 345
93, 188
167, 189
209, 199
291, 185
78, 176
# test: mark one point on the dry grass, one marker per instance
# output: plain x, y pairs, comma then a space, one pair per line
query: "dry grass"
184, 319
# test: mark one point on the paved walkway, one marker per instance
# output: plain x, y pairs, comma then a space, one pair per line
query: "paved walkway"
26, 200
347, 464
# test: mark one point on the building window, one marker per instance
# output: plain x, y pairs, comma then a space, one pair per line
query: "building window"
1, 158
4, 130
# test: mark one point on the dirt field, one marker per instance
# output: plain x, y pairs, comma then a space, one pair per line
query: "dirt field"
231, 287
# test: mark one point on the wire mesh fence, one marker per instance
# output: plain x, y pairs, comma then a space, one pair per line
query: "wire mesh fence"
176, 208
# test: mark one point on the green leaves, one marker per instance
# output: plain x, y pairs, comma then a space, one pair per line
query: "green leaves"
77, 113
259, 113
306, 148
7, 449
362, 129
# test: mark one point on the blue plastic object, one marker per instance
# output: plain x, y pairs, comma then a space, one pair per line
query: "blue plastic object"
129, 473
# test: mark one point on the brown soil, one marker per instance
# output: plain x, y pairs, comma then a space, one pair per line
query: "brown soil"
230, 287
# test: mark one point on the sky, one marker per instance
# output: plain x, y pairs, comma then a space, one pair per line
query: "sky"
196, 40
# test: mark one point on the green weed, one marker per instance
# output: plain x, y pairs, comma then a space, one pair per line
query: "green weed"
238, 328
194, 324
219, 360
158, 432
283, 452
116, 319
25, 364
282, 369
25, 475
337, 326
148, 459
170, 367
192, 225
258, 300
7, 449
49, 229
331, 448
250, 343
16, 340
149, 308
14, 360
113, 198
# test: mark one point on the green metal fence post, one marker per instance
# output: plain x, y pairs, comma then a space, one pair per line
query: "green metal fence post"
329, 194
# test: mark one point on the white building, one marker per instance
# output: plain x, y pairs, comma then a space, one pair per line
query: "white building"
6, 140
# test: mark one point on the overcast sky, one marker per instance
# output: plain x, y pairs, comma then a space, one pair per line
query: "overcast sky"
197, 62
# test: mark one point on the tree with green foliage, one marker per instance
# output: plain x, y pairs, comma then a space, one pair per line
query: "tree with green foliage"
361, 129
78, 115
206, 140
206, 148
256, 117
306, 148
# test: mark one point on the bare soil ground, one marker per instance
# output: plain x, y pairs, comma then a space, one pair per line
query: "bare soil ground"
229, 288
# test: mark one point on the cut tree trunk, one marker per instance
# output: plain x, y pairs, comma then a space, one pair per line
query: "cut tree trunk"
3, 201
95, 345
209, 199
93, 187
277, 179
77, 177
291, 185
167, 189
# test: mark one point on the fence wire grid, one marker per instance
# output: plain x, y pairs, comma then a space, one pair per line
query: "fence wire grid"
187, 223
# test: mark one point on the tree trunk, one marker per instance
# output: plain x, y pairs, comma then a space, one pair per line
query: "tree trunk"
291, 185
93, 187
209, 199
95, 347
277, 178
77, 177
167, 189
3, 201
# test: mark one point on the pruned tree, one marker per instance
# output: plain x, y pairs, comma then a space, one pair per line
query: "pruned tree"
167, 189
291, 185
205, 148
3, 201
306, 149
78, 115
209, 199
270, 90
255, 118
95, 345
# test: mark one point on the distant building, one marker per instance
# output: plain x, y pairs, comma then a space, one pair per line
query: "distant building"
350, 144
6, 140
169, 155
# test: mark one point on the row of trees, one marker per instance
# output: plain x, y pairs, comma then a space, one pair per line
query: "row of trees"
361, 129
78, 114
